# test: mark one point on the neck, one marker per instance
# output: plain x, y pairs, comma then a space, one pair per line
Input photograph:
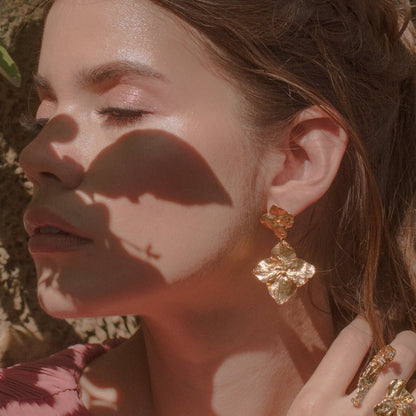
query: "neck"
223, 354
234, 359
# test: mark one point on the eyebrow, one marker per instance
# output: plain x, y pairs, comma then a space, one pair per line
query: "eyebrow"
111, 71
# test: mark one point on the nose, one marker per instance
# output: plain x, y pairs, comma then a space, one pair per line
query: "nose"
52, 155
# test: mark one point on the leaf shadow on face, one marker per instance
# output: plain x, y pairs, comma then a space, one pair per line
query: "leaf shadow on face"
157, 163
141, 162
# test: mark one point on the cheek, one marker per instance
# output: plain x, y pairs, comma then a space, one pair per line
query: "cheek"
158, 213
167, 201
176, 239
146, 248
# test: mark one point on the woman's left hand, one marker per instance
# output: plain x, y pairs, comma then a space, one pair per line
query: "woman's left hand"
325, 392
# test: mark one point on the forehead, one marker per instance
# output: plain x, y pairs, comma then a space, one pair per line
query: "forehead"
102, 19
94, 32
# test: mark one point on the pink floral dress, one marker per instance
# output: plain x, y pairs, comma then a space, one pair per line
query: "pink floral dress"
50, 386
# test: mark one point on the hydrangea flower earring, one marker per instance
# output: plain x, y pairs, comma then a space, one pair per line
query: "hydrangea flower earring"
283, 272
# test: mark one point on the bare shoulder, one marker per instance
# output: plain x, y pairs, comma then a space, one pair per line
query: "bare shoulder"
117, 383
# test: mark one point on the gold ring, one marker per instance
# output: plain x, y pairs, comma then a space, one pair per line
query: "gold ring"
397, 400
369, 376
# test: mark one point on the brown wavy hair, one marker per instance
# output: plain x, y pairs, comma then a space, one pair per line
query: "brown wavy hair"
356, 60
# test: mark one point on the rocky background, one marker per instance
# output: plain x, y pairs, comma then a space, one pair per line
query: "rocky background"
26, 332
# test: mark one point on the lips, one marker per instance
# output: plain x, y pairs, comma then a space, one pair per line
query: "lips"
50, 233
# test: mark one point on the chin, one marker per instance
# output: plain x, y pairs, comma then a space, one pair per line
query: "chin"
56, 304
63, 305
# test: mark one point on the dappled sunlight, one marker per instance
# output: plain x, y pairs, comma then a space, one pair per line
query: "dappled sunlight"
114, 200
98, 396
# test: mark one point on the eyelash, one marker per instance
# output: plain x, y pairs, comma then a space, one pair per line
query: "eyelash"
120, 117
114, 116
32, 124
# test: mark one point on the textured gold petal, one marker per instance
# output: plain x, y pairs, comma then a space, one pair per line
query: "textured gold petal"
267, 269
397, 401
284, 253
385, 408
278, 220
300, 271
407, 411
406, 398
397, 391
282, 290
269, 220
286, 219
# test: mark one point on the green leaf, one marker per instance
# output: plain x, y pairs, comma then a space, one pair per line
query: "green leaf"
8, 68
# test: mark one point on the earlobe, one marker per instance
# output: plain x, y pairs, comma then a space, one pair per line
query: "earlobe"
314, 147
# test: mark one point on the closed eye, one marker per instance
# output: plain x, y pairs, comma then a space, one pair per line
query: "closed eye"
120, 117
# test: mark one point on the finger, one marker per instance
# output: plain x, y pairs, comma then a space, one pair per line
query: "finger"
402, 366
344, 357
404, 363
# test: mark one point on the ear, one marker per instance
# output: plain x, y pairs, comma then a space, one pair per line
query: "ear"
312, 152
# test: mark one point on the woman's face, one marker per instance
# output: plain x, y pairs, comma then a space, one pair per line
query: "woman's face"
144, 155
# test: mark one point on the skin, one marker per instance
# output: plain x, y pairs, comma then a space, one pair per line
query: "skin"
177, 252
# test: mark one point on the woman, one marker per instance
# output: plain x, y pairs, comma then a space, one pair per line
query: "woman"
169, 128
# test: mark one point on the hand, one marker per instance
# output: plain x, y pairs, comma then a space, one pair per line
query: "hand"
325, 392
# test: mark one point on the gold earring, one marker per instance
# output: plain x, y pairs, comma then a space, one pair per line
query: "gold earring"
283, 272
